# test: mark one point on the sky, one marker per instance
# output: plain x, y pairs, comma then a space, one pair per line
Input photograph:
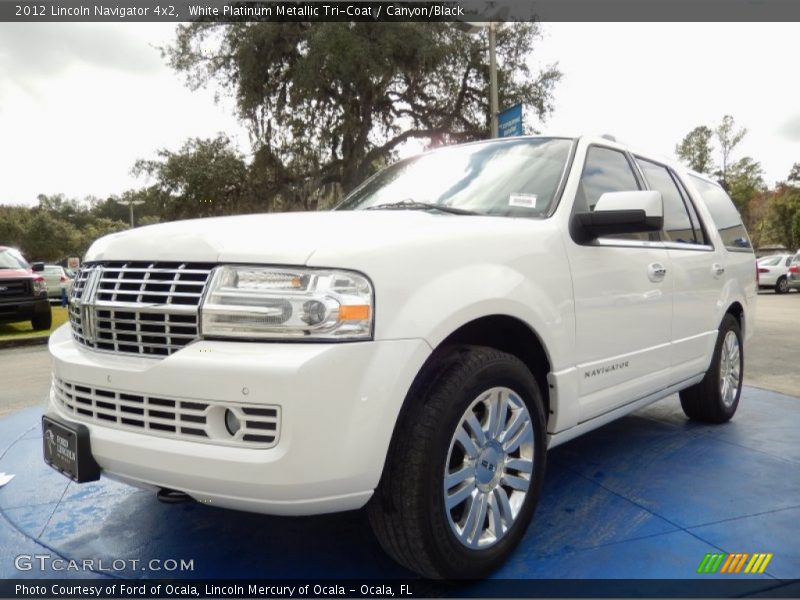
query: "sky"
80, 103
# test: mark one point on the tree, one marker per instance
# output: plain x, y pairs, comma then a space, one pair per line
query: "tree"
728, 137
327, 103
794, 174
49, 238
203, 178
745, 180
783, 219
695, 149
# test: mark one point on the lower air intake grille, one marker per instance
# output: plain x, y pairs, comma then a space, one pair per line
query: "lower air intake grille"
195, 420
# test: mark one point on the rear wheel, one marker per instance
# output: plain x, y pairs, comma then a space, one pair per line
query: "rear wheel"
464, 471
782, 286
716, 397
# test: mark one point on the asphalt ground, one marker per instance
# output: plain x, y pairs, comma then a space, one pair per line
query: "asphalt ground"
772, 358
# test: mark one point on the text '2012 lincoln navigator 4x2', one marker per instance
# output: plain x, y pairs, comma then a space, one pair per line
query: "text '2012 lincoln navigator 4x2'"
416, 350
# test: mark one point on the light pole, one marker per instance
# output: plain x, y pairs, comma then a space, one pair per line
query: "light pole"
475, 27
493, 76
130, 202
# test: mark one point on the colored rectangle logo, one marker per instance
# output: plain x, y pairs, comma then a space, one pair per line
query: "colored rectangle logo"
734, 563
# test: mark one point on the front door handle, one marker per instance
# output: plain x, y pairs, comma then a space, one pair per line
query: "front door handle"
718, 270
656, 272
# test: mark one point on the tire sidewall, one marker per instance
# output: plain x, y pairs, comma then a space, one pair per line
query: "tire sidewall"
478, 563
729, 323
782, 286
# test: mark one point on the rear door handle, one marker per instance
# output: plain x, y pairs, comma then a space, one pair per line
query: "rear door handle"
718, 270
656, 272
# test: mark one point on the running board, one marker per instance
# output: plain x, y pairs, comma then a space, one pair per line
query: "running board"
586, 426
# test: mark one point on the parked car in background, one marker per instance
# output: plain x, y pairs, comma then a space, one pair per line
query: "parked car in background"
57, 280
793, 275
23, 292
773, 272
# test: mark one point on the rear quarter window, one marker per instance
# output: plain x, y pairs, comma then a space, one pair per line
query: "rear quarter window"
724, 214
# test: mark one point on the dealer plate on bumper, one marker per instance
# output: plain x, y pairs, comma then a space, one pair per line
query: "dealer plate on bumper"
68, 450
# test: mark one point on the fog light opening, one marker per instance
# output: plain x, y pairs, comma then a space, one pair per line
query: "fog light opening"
232, 423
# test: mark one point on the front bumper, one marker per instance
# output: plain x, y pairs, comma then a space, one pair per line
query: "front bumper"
338, 406
23, 309
794, 281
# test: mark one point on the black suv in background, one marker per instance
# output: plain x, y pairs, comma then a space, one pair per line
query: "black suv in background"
23, 292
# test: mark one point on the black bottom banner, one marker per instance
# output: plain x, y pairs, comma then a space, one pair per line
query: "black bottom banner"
490, 588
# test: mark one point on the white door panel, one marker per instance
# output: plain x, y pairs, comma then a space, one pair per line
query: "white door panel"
695, 297
623, 324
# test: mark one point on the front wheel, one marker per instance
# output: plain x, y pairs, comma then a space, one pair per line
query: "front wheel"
465, 467
42, 322
716, 397
782, 286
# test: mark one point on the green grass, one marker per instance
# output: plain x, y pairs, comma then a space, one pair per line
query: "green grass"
24, 329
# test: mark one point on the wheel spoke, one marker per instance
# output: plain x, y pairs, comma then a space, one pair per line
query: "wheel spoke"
518, 483
478, 434
517, 421
459, 495
525, 435
496, 523
504, 506
453, 479
523, 465
463, 438
473, 526
497, 414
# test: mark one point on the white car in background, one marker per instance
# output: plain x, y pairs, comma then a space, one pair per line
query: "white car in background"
773, 272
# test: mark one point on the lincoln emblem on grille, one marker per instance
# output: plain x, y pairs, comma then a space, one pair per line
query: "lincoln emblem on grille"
86, 303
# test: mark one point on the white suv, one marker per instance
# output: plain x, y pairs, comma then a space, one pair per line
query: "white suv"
417, 350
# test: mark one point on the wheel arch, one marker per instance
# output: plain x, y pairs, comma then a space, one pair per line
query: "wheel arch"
736, 310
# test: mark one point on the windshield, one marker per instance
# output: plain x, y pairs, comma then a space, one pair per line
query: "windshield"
516, 178
11, 259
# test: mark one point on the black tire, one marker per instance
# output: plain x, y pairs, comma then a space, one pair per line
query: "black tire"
782, 286
407, 511
43, 322
704, 401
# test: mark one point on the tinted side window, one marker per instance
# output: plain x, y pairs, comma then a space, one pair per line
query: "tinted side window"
678, 225
699, 232
723, 212
605, 170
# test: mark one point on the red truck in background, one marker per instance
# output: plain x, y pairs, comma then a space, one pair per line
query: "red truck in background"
23, 291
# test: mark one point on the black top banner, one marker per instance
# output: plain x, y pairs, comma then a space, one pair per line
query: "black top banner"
389, 11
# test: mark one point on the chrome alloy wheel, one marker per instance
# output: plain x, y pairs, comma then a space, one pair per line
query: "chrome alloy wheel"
489, 468
729, 369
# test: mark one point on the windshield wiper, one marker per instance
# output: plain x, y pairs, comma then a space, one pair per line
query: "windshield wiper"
414, 205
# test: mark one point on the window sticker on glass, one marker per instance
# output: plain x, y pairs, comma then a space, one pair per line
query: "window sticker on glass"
522, 200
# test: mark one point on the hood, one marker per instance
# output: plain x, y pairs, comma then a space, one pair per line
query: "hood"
288, 238
14, 273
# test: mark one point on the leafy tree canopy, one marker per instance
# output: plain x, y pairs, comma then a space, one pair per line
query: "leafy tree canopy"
695, 149
328, 103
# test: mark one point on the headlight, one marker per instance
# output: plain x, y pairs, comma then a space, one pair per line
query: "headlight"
273, 303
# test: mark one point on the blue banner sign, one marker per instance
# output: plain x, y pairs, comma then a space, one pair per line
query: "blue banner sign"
509, 121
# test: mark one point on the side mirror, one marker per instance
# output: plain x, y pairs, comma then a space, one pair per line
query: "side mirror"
37, 267
621, 212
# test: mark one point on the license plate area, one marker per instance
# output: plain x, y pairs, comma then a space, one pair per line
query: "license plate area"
67, 449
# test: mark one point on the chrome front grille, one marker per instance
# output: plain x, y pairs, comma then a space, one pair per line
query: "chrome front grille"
177, 418
145, 308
